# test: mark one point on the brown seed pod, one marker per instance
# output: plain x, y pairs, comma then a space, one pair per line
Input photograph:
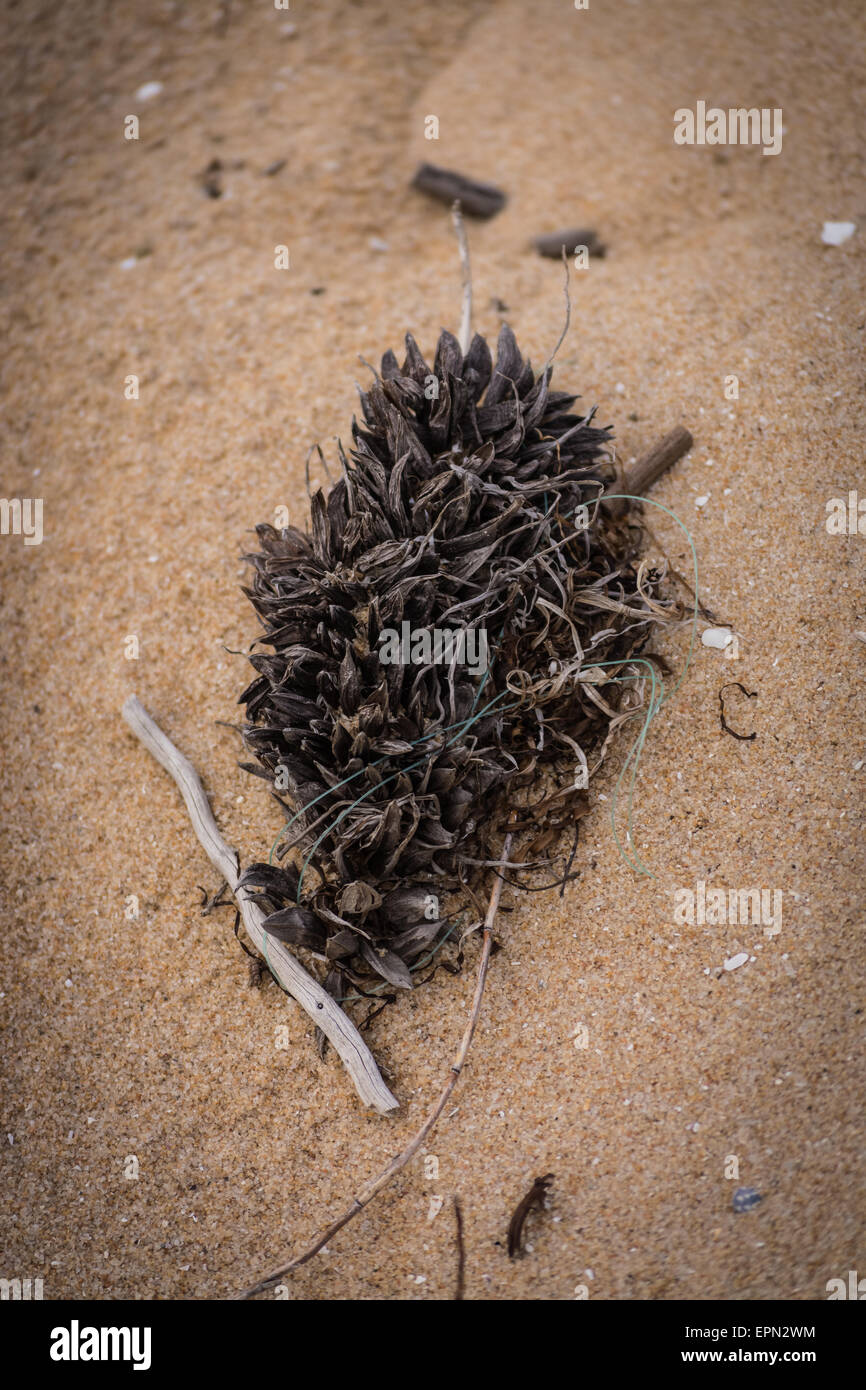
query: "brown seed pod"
467, 508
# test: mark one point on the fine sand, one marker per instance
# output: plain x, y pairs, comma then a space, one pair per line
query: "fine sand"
136, 1046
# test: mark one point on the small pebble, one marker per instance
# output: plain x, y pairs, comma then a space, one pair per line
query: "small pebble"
745, 1198
734, 962
573, 237
476, 199
377, 244
148, 91
702, 501
719, 637
834, 233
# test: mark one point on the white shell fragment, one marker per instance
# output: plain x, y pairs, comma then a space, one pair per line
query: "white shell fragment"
719, 637
148, 91
834, 233
734, 962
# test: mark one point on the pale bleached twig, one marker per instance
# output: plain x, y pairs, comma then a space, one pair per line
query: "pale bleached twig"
375, 1186
565, 327
325, 1013
465, 335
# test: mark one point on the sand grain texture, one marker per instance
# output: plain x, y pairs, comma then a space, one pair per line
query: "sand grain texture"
140, 1037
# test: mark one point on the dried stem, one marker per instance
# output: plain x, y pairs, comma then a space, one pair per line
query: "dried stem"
325, 1013
375, 1186
465, 335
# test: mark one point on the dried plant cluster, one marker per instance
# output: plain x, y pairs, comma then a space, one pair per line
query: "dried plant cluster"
472, 502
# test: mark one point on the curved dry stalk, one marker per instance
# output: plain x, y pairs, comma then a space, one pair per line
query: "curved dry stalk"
375, 1186
325, 1013
465, 334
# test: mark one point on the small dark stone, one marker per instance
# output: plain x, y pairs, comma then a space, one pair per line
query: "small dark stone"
552, 244
211, 181
745, 1198
476, 199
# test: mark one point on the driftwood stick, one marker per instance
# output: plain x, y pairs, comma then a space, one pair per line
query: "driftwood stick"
656, 461
465, 335
649, 468
372, 1188
325, 1013
476, 199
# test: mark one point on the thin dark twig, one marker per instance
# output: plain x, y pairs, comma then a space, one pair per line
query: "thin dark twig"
461, 1252
726, 728
211, 901
570, 859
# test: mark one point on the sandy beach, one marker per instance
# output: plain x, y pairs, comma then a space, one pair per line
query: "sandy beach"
157, 1142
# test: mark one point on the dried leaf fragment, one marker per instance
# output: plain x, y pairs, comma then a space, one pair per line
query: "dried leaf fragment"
534, 1199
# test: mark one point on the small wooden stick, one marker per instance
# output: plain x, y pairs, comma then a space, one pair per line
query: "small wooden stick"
461, 1251
465, 335
325, 1013
372, 1188
649, 467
